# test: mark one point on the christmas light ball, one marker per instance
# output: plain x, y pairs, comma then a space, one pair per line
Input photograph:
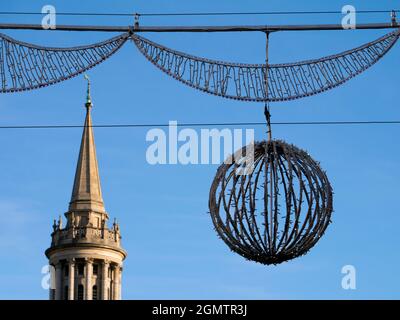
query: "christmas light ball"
273, 208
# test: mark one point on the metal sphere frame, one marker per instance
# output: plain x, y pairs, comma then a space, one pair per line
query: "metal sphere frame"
277, 212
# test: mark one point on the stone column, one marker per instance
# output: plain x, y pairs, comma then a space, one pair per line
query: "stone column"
120, 283
59, 290
116, 282
104, 279
88, 276
52, 289
71, 278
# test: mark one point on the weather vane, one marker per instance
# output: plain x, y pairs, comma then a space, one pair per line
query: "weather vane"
88, 98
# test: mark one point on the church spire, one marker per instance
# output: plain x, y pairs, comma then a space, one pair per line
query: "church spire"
85, 242
86, 193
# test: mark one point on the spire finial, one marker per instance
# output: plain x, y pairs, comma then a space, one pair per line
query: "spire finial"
88, 103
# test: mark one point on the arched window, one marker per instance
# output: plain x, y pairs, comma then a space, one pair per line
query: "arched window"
80, 292
94, 292
66, 293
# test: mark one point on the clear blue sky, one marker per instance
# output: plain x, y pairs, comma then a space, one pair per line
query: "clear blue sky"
174, 252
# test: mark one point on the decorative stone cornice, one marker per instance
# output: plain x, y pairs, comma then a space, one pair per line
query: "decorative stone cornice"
52, 250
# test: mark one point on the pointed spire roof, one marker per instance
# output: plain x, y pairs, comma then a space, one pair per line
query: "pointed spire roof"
86, 193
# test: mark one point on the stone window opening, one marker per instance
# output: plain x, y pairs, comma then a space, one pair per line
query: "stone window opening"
80, 292
95, 269
66, 271
80, 269
94, 292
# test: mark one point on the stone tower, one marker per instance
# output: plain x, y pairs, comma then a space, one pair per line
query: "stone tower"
86, 254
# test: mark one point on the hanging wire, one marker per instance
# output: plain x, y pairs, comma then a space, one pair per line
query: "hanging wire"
266, 106
218, 124
159, 14
267, 114
270, 159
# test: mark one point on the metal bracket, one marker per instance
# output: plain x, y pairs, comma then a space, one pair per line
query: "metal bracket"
136, 24
393, 16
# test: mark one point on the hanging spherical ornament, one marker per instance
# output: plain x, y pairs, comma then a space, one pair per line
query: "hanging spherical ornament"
273, 208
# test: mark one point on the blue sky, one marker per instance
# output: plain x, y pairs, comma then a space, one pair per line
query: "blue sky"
173, 250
